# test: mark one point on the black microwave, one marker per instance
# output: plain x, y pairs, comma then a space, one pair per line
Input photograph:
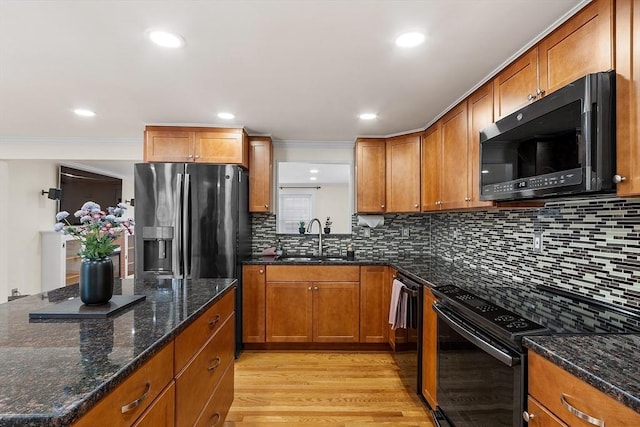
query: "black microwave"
562, 144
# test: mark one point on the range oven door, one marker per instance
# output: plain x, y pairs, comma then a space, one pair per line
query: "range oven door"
480, 381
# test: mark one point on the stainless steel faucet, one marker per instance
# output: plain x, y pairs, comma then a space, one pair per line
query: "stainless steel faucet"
319, 233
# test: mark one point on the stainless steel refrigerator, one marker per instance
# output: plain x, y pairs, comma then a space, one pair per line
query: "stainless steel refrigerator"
192, 221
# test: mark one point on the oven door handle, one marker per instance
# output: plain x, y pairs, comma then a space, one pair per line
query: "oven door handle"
489, 348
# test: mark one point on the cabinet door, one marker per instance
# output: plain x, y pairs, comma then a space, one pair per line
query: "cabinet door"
429, 349
253, 303
162, 410
582, 45
480, 106
374, 304
516, 85
370, 175
628, 97
223, 147
289, 311
336, 311
168, 145
539, 416
431, 168
403, 174
260, 173
454, 158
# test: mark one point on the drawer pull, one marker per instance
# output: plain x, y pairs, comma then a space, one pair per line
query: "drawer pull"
585, 417
216, 363
129, 406
215, 417
214, 322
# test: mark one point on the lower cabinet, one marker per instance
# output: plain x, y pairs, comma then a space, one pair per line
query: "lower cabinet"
253, 303
189, 382
319, 304
429, 349
558, 398
375, 297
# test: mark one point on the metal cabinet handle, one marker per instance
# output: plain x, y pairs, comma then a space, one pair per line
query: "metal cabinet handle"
382, 206
309, 288
214, 322
266, 206
585, 417
216, 416
261, 271
540, 92
527, 416
531, 97
617, 179
129, 406
216, 363
197, 156
315, 288
416, 205
467, 199
191, 156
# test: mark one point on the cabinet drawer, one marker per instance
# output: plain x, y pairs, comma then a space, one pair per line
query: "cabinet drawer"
196, 334
540, 416
197, 381
162, 412
298, 273
217, 407
138, 392
548, 383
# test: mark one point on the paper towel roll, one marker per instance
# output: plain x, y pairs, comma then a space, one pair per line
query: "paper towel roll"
370, 220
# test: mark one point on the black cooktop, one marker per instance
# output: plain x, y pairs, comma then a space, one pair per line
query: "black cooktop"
501, 321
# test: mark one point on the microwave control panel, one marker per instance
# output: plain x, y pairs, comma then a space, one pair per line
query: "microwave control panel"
539, 182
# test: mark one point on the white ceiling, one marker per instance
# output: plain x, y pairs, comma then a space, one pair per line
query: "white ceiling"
297, 70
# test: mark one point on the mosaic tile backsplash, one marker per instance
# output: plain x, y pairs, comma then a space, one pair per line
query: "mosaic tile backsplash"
590, 246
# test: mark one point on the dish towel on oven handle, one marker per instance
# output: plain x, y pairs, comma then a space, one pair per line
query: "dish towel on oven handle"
398, 307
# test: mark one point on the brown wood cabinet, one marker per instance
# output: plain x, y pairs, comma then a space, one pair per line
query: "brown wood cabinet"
370, 159
375, 296
327, 304
217, 408
582, 45
429, 349
628, 97
403, 173
480, 114
260, 174
254, 303
124, 405
431, 165
557, 390
454, 171
196, 145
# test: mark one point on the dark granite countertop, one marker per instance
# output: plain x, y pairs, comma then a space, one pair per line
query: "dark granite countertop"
53, 371
609, 362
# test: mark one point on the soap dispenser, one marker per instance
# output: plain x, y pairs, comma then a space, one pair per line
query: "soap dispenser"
350, 252
279, 250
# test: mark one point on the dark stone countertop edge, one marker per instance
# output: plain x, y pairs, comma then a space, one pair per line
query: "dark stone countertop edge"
589, 377
74, 413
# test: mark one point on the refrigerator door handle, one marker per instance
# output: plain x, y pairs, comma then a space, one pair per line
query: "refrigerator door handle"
186, 232
176, 261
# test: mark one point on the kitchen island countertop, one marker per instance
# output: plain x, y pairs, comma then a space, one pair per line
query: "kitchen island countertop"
53, 371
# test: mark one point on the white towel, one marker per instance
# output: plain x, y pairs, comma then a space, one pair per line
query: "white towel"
398, 306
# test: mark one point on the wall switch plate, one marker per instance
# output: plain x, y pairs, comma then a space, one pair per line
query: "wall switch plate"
405, 231
367, 232
537, 242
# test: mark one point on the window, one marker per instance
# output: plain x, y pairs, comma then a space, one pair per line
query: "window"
295, 206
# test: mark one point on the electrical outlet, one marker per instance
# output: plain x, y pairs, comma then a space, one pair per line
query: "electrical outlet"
456, 233
405, 231
367, 232
537, 242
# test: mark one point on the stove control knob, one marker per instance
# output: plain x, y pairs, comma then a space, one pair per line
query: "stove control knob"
527, 416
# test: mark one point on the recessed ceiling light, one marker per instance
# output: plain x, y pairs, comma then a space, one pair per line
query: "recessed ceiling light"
313, 170
368, 116
313, 178
84, 112
226, 116
165, 38
410, 39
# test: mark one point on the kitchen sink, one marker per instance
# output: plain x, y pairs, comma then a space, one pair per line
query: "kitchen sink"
302, 258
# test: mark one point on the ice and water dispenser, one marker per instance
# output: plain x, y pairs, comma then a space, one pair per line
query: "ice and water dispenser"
158, 249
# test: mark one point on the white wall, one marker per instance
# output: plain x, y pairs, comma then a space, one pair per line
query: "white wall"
4, 209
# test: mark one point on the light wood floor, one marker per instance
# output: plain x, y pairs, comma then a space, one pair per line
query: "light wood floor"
322, 388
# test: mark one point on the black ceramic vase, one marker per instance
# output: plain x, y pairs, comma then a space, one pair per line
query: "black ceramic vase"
96, 281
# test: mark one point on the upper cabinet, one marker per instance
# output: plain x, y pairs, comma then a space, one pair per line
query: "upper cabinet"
454, 158
628, 97
582, 45
431, 164
480, 115
403, 173
370, 175
196, 145
260, 174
